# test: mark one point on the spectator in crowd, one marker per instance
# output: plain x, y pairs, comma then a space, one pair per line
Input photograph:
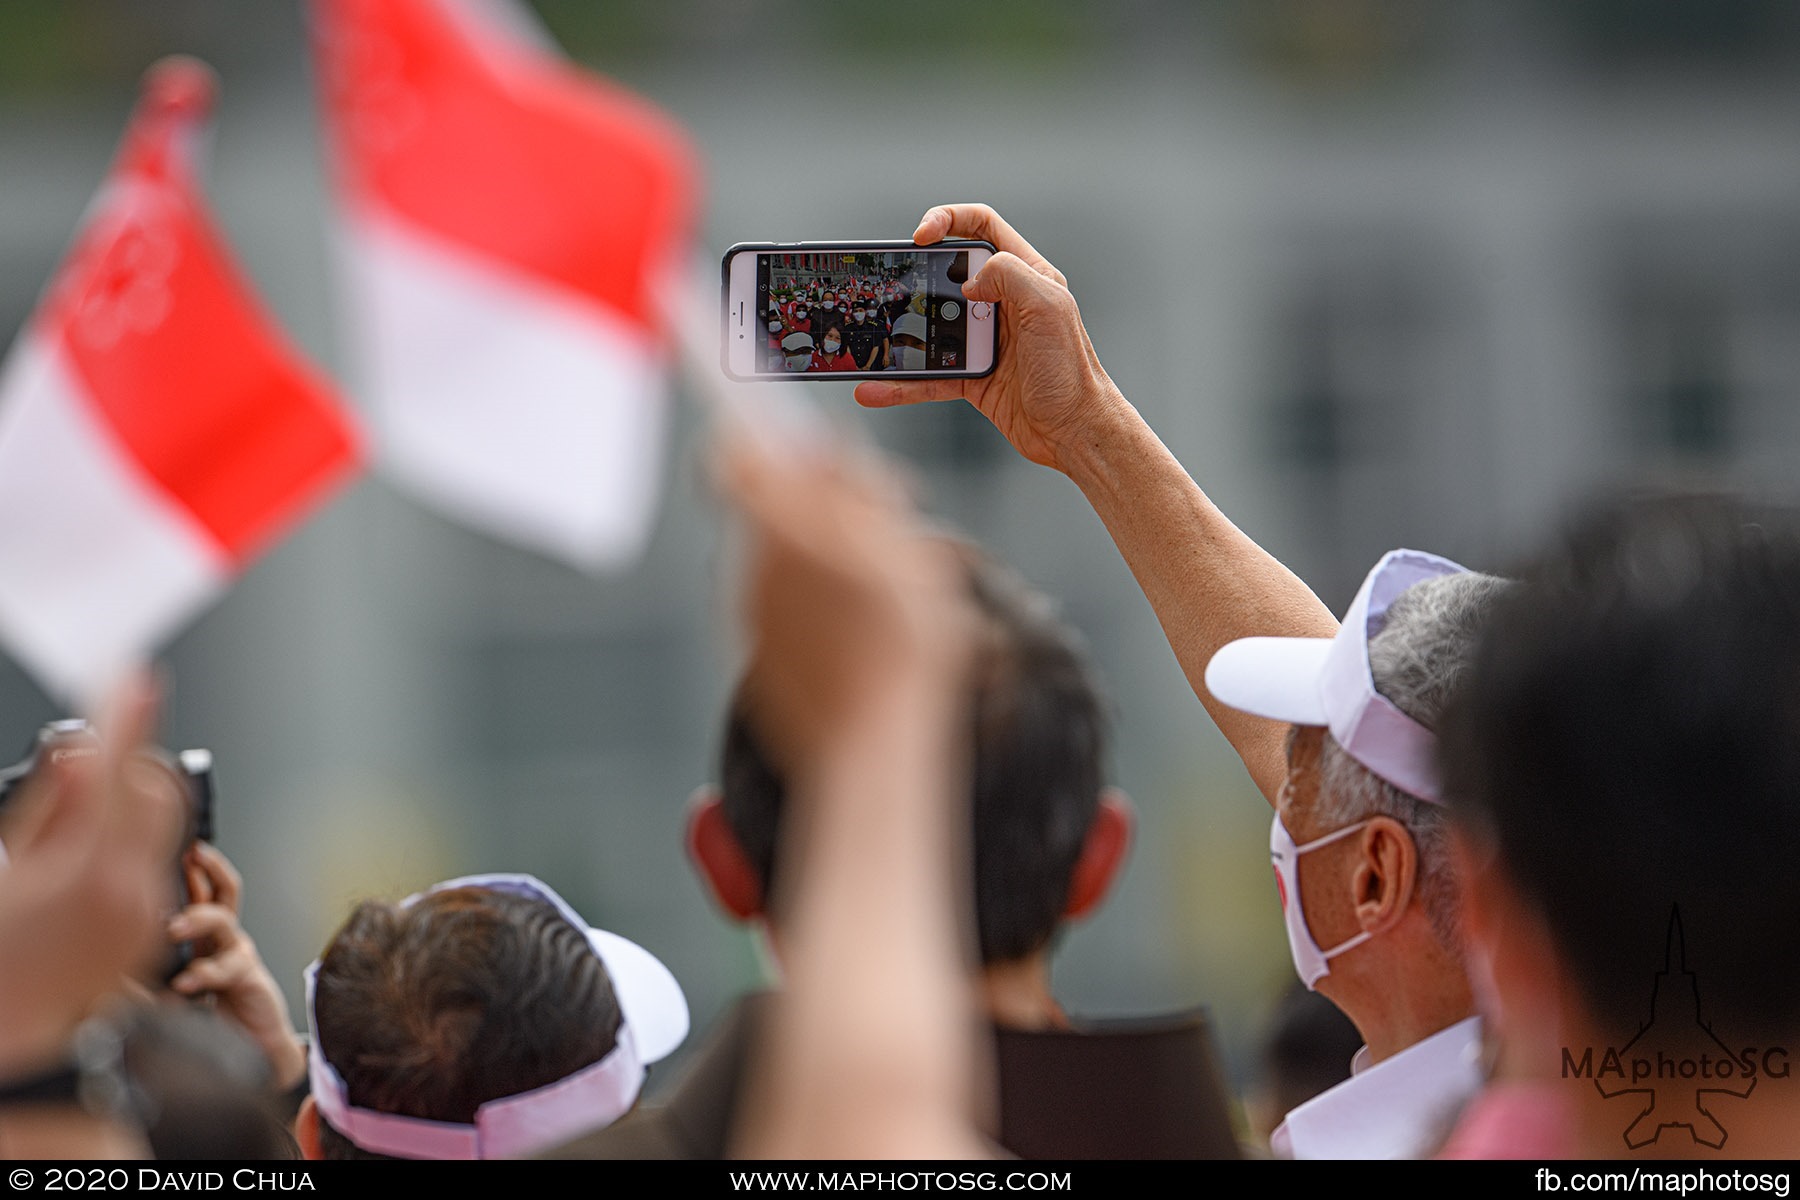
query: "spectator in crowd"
865, 340
1048, 839
907, 343
798, 347
800, 319
1624, 764
1360, 843
775, 329
198, 1086
1211, 585
858, 683
481, 1019
831, 354
82, 900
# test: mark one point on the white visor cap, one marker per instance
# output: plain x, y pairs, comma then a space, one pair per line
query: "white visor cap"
653, 1021
1327, 681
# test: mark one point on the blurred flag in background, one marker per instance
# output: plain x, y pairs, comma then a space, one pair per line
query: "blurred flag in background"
510, 227
156, 429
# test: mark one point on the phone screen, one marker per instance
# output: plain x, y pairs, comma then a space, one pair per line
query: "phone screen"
823, 311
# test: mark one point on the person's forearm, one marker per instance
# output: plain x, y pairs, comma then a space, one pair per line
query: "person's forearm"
1207, 581
872, 1045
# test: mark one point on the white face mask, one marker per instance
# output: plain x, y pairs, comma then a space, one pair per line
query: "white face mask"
829, 306
1310, 963
831, 347
774, 326
909, 358
857, 316
799, 362
800, 313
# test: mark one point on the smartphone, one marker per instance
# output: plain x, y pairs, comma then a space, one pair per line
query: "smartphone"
791, 311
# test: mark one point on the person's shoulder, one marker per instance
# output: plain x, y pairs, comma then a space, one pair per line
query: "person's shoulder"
1140, 1088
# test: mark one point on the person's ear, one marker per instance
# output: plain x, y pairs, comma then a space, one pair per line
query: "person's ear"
1386, 874
306, 1130
1102, 853
720, 859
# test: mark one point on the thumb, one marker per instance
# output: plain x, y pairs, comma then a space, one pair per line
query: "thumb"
1005, 277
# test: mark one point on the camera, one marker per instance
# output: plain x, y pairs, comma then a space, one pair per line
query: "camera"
192, 770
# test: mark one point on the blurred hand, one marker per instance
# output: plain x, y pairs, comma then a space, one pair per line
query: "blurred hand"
84, 900
849, 602
1048, 390
226, 965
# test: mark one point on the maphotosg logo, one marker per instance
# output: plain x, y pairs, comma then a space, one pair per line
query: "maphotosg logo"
1676, 1066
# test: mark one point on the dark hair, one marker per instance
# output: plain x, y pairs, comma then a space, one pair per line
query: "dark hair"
1039, 747
201, 1086
1628, 739
465, 996
1307, 1047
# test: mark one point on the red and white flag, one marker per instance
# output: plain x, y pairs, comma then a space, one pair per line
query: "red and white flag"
156, 430
512, 227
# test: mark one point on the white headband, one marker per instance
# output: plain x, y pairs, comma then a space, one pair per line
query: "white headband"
653, 1020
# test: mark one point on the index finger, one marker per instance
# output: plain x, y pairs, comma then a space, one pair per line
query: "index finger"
135, 817
224, 886
980, 221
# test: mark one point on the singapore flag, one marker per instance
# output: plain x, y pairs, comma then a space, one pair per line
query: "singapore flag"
156, 430
511, 230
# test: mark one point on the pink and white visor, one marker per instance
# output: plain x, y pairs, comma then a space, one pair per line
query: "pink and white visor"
653, 1021
1320, 681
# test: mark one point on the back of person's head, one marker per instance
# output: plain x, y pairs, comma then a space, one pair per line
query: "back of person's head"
466, 995
1039, 733
1422, 650
1628, 743
201, 1086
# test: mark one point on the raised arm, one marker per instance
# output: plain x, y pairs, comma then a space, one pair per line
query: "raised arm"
1207, 581
858, 679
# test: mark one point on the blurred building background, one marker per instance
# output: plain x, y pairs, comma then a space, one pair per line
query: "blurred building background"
1419, 272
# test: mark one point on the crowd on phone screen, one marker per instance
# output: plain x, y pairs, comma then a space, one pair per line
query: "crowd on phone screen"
1529, 808
870, 321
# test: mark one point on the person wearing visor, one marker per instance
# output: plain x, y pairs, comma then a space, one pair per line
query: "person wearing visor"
797, 347
908, 343
1210, 584
1360, 847
482, 1018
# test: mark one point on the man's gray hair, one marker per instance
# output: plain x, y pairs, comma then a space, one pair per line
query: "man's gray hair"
1417, 658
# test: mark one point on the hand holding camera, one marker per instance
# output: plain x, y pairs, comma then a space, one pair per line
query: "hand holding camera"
226, 966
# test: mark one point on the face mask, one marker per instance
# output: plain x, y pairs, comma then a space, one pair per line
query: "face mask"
909, 358
774, 326
799, 362
831, 347
1310, 963
801, 313
857, 316
829, 306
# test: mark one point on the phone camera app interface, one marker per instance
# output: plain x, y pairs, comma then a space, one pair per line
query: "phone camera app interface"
832, 311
